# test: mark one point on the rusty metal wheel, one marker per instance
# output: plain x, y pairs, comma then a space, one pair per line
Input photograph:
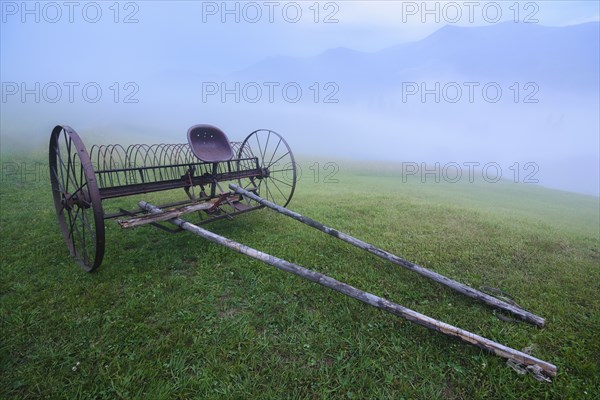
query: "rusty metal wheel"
276, 160
76, 197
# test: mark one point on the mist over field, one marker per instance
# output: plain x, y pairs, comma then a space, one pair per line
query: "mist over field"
457, 142
518, 93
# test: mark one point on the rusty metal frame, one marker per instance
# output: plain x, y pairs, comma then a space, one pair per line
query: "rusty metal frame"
113, 171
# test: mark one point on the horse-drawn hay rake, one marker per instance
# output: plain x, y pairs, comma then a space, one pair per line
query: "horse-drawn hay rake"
260, 172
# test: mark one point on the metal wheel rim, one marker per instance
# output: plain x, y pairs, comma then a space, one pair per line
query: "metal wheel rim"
76, 198
275, 155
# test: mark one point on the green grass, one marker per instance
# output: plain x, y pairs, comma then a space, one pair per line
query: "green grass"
173, 316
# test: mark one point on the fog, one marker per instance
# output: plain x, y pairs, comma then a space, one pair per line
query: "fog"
516, 88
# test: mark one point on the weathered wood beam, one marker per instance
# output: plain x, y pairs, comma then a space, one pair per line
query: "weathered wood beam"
368, 298
163, 216
167, 215
457, 286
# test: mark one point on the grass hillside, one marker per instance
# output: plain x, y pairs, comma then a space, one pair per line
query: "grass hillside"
173, 316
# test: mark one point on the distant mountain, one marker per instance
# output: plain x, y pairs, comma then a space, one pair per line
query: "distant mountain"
562, 58
557, 133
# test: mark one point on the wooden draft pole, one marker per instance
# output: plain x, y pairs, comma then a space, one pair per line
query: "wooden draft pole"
457, 286
163, 216
368, 298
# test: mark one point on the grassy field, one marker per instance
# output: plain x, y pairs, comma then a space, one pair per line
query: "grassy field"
173, 316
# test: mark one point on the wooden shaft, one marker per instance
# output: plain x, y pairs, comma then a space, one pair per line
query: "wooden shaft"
368, 298
178, 212
163, 216
457, 286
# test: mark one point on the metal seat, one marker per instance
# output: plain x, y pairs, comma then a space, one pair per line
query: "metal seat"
209, 143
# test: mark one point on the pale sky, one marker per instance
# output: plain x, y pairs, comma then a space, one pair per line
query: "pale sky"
171, 35
167, 49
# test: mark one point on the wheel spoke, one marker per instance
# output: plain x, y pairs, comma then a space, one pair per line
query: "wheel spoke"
274, 152
73, 221
81, 174
281, 157
269, 192
60, 189
66, 180
279, 180
68, 146
63, 173
92, 234
57, 156
72, 231
260, 149
267, 145
259, 185
80, 189
279, 190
